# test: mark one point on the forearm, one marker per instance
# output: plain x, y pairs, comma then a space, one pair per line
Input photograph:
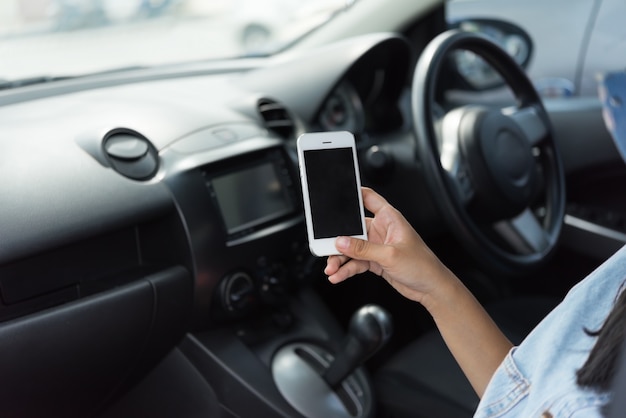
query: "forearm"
474, 339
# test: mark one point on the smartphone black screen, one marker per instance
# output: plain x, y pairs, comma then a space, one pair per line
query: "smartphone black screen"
333, 192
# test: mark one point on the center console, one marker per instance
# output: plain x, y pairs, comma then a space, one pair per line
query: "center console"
307, 369
264, 341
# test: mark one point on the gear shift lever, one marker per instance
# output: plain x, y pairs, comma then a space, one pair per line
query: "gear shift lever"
315, 388
370, 328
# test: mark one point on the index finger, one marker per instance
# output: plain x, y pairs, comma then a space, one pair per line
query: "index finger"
334, 263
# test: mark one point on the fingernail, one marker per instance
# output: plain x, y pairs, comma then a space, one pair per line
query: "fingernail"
342, 243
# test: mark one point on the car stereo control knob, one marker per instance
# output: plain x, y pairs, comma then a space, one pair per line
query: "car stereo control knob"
238, 292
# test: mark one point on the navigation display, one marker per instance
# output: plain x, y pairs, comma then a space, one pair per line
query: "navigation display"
251, 196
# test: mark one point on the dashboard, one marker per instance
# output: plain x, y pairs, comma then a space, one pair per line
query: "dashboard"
168, 196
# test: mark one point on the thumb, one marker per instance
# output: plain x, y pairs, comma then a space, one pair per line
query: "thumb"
357, 249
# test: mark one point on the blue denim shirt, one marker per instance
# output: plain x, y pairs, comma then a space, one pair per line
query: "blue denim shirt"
538, 378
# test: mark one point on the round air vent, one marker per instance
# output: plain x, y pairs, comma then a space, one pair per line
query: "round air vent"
131, 154
277, 118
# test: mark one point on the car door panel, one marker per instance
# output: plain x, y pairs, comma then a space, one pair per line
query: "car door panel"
596, 175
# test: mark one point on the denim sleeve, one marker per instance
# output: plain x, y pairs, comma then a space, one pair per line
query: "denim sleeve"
539, 375
507, 388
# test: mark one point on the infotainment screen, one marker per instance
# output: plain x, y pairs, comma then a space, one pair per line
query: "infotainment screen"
252, 196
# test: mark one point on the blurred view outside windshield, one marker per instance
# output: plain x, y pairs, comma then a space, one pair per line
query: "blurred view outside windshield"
74, 37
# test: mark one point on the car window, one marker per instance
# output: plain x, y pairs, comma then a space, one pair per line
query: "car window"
54, 38
573, 41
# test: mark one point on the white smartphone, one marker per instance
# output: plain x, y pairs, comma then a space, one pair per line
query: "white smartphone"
331, 188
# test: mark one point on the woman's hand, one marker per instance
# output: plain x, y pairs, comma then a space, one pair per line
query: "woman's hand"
394, 250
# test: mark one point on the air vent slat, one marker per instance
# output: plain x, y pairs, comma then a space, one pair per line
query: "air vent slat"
277, 118
278, 124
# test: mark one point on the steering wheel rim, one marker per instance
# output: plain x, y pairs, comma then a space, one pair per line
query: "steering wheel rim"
515, 240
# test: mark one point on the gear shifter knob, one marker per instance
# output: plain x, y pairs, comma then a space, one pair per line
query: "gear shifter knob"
370, 328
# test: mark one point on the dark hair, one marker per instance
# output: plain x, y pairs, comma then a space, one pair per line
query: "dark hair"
598, 371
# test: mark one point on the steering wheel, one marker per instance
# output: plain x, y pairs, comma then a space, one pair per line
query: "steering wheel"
495, 174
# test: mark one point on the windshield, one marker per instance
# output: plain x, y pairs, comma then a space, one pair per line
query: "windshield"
62, 38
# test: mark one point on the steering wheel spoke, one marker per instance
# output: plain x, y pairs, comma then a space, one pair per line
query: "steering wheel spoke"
451, 159
524, 233
461, 184
529, 122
